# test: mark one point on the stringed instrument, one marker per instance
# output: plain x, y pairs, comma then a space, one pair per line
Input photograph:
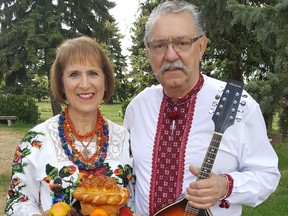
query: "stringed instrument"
223, 117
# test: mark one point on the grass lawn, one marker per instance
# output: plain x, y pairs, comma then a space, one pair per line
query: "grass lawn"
275, 205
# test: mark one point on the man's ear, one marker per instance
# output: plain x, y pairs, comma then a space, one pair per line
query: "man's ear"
146, 51
202, 46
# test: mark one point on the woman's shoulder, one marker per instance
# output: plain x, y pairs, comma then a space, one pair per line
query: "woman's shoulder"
47, 126
115, 127
118, 134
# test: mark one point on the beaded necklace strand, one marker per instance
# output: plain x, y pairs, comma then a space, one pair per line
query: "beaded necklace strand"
71, 132
79, 137
67, 140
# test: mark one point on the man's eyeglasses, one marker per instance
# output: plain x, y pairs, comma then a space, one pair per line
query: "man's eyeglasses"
179, 45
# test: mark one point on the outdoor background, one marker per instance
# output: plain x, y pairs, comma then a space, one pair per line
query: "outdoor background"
248, 41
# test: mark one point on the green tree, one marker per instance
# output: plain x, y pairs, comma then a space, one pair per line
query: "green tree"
140, 73
37, 87
32, 30
269, 23
113, 48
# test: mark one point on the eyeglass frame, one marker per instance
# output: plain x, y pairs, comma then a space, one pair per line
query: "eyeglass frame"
192, 40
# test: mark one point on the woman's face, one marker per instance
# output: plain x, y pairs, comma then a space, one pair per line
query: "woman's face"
84, 87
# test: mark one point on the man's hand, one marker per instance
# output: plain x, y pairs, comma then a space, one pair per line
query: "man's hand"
205, 193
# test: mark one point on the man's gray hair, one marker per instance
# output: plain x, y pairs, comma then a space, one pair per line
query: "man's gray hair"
174, 7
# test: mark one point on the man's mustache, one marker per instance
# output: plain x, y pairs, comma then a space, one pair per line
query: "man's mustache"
172, 65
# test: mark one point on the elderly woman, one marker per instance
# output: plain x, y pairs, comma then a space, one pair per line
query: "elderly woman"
57, 154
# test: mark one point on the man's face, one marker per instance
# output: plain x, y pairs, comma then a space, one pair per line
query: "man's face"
177, 28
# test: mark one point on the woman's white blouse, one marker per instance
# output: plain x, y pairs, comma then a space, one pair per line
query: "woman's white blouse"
42, 172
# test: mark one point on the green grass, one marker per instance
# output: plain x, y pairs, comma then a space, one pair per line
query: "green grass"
112, 112
4, 179
45, 110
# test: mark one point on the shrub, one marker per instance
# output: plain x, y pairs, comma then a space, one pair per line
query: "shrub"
124, 106
22, 106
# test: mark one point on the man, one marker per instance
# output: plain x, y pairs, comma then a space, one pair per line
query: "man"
171, 127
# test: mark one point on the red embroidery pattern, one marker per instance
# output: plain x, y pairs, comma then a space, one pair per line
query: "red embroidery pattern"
174, 124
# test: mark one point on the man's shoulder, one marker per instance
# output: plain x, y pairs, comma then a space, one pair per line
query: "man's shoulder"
150, 95
153, 88
151, 91
213, 82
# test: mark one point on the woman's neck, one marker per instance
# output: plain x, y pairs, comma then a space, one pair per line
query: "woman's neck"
83, 123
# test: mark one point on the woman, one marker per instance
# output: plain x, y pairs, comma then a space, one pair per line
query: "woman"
57, 154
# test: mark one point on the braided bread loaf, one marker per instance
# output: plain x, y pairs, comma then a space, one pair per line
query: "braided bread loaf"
101, 192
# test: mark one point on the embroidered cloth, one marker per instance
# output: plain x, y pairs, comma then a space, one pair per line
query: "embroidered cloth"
174, 123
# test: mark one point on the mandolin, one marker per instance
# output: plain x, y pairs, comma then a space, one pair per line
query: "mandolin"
224, 116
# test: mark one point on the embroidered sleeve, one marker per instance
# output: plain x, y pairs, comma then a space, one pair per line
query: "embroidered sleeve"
23, 193
24, 209
120, 151
130, 178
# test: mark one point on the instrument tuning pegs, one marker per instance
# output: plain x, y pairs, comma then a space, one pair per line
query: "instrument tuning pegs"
214, 103
238, 118
221, 89
245, 96
217, 96
243, 103
211, 111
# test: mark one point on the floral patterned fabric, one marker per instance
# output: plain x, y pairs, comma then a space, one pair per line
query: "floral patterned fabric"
42, 174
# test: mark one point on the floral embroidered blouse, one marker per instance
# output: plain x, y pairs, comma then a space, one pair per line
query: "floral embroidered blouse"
42, 174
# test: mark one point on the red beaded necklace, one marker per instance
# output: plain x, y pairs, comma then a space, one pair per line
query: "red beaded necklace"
70, 132
80, 137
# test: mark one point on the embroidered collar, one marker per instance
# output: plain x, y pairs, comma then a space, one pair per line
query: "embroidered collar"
173, 105
188, 96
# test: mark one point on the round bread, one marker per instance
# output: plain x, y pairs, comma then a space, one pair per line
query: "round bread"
101, 192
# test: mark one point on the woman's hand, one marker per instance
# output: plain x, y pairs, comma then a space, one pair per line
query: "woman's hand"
45, 213
205, 193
